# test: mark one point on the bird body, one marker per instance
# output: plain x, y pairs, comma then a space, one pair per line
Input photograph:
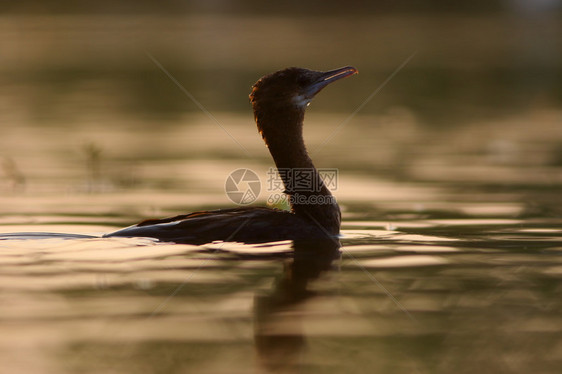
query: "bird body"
279, 101
245, 225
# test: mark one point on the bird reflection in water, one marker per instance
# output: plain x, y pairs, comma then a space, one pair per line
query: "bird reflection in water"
280, 340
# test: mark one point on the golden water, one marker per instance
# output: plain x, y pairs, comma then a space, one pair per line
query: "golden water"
449, 182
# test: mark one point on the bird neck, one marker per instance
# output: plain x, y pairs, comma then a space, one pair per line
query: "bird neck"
282, 131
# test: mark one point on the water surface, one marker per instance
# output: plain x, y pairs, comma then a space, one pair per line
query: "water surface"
449, 260
449, 179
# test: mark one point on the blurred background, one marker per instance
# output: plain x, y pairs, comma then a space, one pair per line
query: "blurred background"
66, 59
460, 90
449, 150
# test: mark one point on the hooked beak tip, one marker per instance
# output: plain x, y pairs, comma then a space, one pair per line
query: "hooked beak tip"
328, 77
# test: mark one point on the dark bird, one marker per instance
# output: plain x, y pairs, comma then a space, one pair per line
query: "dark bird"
279, 101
